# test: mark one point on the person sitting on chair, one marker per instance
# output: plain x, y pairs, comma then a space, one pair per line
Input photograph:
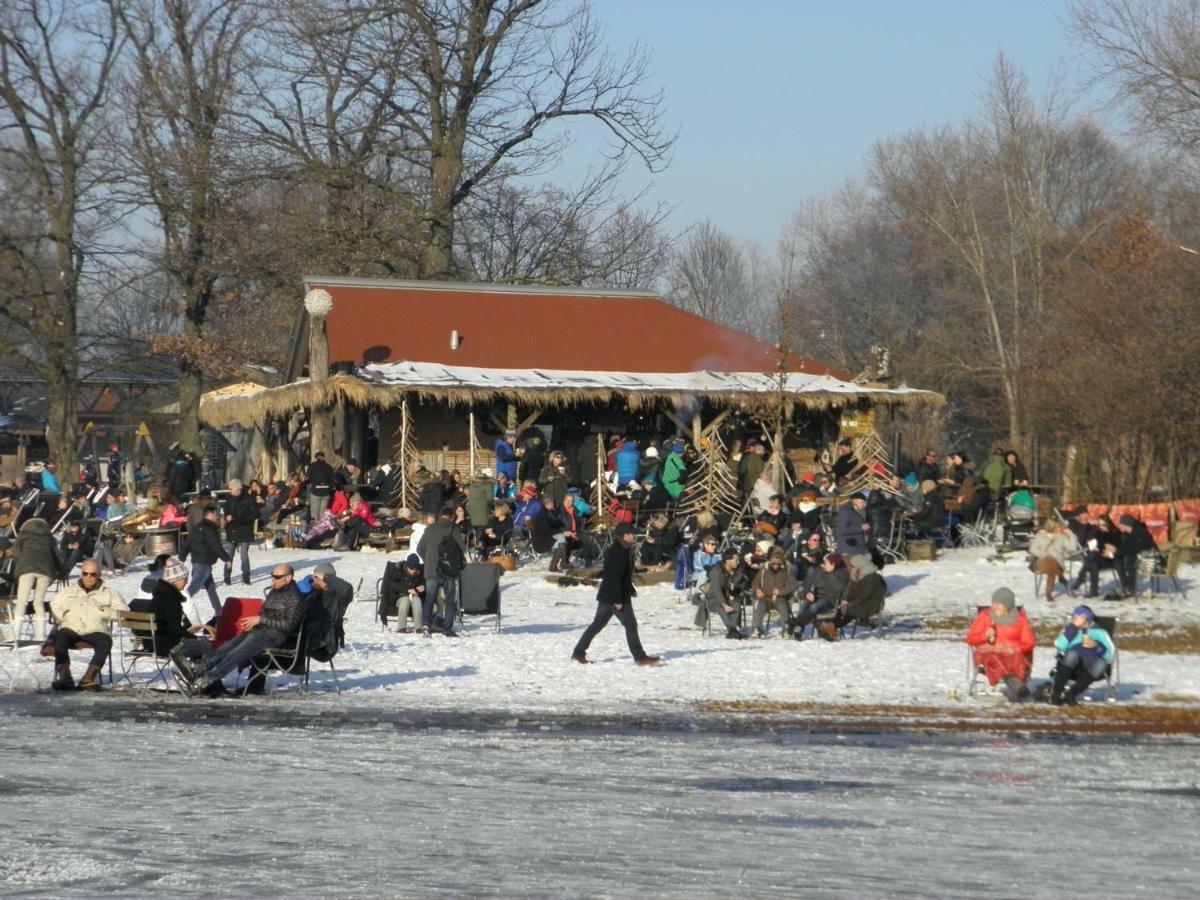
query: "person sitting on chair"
84, 610
1100, 541
1002, 644
777, 517
1135, 540
721, 592
853, 531
862, 599
172, 627
824, 584
1084, 655
282, 612
497, 530
1050, 548
773, 586
408, 587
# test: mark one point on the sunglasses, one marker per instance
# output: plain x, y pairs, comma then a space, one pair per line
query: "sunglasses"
275, 577
89, 574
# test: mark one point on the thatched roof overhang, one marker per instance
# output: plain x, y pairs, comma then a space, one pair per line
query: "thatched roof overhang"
386, 384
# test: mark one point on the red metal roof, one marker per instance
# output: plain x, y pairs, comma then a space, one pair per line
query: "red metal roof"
534, 328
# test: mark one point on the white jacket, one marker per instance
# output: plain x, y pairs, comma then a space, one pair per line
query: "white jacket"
87, 612
1057, 545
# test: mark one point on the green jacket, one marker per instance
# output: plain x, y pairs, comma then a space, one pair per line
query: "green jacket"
674, 470
997, 474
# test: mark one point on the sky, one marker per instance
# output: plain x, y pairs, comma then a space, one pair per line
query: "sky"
776, 101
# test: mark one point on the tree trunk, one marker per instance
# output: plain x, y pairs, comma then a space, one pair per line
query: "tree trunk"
60, 428
190, 388
437, 257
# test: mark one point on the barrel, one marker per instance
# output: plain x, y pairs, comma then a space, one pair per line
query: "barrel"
161, 540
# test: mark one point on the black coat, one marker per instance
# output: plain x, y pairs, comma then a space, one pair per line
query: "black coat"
204, 544
283, 610
181, 477
864, 598
542, 528
320, 478
323, 624
1136, 541
242, 512
170, 622
397, 582
616, 579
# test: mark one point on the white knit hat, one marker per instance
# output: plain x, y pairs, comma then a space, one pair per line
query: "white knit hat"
174, 570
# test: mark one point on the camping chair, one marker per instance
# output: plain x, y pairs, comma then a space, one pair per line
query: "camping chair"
1112, 675
382, 592
1154, 566
479, 591
289, 659
891, 546
138, 629
17, 654
973, 670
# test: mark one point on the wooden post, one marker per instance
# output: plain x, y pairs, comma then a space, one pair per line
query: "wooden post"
318, 304
471, 443
600, 476
405, 462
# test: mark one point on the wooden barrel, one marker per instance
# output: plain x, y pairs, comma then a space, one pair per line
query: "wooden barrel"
507, 563
162, 540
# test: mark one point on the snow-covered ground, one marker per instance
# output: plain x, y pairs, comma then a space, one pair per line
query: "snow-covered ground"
527, 665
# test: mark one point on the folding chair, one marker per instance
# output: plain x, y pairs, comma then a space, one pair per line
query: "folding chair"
1112, 675
973, 670
1154, 566
289, 659
981, 531
892, 545
479, 591
139, 629
17, 654
1039, 578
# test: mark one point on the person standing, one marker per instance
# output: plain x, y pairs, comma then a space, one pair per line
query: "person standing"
614, 599
205, 548
50, 479
320, 486
240, 514
37, 565
443, 565
506, 455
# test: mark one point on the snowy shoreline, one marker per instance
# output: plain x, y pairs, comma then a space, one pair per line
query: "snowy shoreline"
526, 670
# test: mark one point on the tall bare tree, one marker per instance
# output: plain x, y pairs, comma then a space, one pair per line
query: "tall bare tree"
189, 60
56, 63
708, 276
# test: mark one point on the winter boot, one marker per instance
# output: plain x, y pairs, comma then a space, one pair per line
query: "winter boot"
90, 680
228, 577
1059, 686
557, 558
1082, 683
62, 678
245, 578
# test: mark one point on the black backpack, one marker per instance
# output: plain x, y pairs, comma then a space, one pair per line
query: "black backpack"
451, 560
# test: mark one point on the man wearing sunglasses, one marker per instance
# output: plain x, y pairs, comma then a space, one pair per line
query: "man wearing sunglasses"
84, 611
280, 616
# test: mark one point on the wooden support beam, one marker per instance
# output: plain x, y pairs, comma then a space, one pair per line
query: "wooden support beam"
712, 426
683, 429
527, 421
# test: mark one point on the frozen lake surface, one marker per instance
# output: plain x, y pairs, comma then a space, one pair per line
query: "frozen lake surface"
115, 801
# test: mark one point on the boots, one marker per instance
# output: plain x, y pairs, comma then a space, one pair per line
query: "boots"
1060, 685
90, 681
558, 558
228, 577
1082, 683
62, 678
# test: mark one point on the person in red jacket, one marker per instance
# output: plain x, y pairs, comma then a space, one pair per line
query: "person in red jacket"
1003, 642
359, 522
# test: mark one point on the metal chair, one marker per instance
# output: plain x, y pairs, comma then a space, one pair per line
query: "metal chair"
1155, 567
17, 654
138, 629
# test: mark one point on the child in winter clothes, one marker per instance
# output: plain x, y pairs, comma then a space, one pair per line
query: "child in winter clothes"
1085, 653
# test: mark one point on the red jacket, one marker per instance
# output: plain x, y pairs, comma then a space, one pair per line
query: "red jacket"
362, 509
1018, 634
339, 504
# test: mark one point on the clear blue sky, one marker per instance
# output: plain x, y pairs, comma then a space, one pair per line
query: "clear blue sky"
776, 100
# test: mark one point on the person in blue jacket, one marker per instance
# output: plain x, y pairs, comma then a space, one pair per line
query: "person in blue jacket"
628, 459
50, 479
506, 456
1085, 653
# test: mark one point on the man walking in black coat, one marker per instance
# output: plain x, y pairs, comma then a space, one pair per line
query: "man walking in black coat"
205, 548
613, 599
320, 487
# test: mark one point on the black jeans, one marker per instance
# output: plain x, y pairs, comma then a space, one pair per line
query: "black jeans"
604, 612
65, 639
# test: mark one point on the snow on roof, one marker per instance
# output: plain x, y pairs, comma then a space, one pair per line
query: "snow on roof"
433, 375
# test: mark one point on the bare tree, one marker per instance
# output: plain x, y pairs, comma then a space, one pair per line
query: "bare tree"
708, 277
484, 82
189, 62
1149, 51
56, 63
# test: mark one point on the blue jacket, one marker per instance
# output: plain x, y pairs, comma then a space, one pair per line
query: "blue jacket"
1072, 639
527, 512
628, 458
701, 563
506, 459
49, 482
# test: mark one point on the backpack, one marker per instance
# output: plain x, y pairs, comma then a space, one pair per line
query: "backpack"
450, 558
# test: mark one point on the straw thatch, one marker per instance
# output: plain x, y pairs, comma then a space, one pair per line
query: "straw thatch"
382, 386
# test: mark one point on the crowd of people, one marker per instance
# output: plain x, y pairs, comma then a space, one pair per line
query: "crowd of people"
811, 555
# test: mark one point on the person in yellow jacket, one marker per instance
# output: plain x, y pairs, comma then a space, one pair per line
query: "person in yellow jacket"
83, 611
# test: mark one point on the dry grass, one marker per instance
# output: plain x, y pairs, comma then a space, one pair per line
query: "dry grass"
1142, 637
1098, 718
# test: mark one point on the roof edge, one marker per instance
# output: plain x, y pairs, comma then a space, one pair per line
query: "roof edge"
311, 281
